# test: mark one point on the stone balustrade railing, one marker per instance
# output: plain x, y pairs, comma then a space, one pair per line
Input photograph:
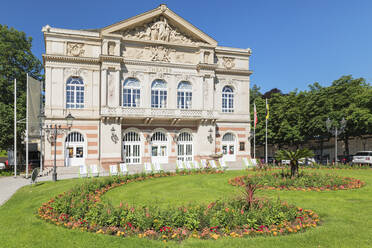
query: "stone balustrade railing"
154, 112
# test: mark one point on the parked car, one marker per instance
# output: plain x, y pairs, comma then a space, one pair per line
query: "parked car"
286, 162
270, 160
2, 166
345, 158
363, 157
306, 161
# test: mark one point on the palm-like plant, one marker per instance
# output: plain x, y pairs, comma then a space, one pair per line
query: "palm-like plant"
294, 157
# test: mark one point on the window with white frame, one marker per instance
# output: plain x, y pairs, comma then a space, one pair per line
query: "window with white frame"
131, 93
159, 94
184, 95
185, 147
74, 93
228, 147
227, 99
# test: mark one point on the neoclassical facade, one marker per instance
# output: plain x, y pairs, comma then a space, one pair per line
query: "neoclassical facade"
149, 88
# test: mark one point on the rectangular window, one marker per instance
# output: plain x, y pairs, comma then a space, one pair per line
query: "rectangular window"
242, 146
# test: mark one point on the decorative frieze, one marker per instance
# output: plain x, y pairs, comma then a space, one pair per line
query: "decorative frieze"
228, 62
75, 49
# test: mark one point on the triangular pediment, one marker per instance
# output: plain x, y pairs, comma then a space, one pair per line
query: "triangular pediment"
160, 25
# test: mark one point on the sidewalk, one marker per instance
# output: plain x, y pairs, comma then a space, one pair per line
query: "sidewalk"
9, 185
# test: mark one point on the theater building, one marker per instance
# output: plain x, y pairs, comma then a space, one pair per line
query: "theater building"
149, 88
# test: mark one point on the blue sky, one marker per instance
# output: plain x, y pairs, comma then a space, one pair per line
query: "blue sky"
295, 42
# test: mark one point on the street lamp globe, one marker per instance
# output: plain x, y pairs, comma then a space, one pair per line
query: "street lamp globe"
69, 119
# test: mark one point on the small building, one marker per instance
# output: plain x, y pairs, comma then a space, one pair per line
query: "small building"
149, 88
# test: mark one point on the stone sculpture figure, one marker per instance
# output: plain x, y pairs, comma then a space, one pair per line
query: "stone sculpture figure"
158, 30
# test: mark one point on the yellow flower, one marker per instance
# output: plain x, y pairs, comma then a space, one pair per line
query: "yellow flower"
275, 233
215, 236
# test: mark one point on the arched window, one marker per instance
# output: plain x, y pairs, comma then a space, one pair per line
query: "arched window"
158, 136
159, 94
184, 147
75, 149
74, 137
159, 147
184, 95
227, 99
228, 147
132, 148
131, 93
75, 93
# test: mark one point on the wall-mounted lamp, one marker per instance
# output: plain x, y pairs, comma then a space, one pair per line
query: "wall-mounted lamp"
209, 137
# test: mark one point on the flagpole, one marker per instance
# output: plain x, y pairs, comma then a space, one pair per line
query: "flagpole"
266, 160
27, 127
15, 129
254, 141
254, 129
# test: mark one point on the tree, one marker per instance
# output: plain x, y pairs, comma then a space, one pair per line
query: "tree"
351, 98
15, 61
294, 157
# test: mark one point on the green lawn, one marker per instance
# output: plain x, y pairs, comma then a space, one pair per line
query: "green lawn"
346, 215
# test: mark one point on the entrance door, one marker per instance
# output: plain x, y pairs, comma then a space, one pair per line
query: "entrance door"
132, 148
75, 149
228, 147
159, 148
185, 147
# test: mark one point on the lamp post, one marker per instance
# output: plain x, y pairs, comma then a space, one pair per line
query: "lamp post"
53, 131
332, 127
42, 120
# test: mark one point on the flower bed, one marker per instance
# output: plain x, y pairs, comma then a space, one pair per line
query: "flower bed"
82, 208
304, 181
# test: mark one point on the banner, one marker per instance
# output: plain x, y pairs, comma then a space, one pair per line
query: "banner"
34, 88
255, 114
267, 110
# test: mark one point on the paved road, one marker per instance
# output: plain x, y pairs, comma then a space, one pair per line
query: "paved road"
9, 185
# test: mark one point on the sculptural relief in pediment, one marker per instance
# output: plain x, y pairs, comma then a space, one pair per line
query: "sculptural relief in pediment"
159, 53
160, 30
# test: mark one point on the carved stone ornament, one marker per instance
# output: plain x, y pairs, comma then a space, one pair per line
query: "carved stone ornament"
75, 49
160, 53
76, 72
159, 30
228, 62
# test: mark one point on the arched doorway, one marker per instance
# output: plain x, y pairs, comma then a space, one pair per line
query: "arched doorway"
75, 152
159, 148
229, 147
132, 148
185, 147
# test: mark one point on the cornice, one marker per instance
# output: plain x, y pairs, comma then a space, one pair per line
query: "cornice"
62, 58
110, 58
163, 43
234, 72
233, 51
203, 66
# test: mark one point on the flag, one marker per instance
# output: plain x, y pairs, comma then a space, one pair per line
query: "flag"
33, 106
255, 114
267, 110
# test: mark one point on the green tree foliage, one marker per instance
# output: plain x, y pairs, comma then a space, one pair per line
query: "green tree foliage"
298, 117
15, 61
